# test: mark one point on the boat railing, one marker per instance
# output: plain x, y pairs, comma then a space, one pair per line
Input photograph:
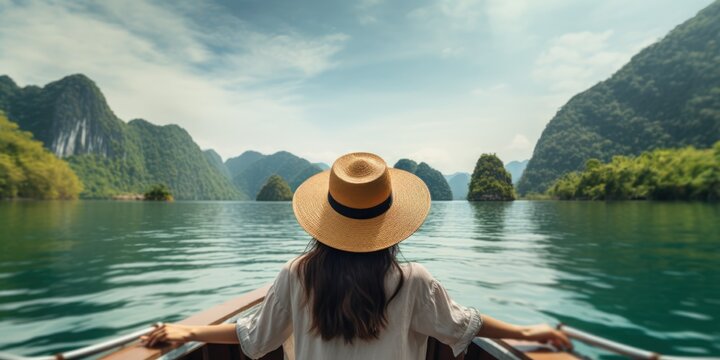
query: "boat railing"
619, 348
215, 315
231, 310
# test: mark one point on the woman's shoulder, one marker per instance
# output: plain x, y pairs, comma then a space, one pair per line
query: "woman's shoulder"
416, 272
291, 266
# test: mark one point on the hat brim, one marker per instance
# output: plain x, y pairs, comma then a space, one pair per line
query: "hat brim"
410, 206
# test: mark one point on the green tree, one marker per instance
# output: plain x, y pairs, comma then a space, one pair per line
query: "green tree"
275, 189
159, 192
664, 174
490, 181
27, 170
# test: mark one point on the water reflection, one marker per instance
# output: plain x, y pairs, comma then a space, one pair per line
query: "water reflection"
489, 219
644, 273
75, 272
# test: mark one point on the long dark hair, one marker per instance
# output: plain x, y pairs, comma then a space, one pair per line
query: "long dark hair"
346, 291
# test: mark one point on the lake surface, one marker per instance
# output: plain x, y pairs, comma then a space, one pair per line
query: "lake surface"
647, 274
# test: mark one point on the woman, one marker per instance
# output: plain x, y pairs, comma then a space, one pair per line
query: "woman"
347, 297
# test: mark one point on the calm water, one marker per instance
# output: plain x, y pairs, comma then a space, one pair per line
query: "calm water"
647, 274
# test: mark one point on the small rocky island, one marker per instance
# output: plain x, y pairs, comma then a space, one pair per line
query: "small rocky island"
159, 192
275, 189
490, 181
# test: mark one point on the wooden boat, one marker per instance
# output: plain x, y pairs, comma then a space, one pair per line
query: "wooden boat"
127, 347
479, 349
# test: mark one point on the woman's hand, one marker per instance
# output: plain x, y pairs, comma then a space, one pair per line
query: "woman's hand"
546, 334
172, 333
496, 329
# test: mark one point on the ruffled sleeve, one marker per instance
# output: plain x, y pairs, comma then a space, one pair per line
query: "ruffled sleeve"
271, 325
438, 316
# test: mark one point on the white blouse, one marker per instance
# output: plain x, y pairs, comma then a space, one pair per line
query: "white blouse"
422, 308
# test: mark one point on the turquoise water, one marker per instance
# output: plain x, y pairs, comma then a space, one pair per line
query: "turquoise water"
647, 274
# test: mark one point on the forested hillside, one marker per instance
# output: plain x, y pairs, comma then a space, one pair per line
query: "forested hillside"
251, 170
434, 179
238, 164
72, 119
667, 96
216, 161
27, 170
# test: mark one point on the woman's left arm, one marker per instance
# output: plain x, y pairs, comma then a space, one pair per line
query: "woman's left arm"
257, 334
494, 328
176, 333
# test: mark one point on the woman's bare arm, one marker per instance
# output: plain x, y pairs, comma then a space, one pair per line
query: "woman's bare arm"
494, 328
225, 333
176, 333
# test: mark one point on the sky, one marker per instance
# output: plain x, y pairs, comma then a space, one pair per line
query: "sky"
438, 81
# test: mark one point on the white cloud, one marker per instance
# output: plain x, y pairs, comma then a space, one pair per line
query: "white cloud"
363, 4
452, 51
512, 17
497, 88
150, 65
575, 61
465, 14
367, 19
279, 56
519, 142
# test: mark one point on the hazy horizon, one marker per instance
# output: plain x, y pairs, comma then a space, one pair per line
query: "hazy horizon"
434, 81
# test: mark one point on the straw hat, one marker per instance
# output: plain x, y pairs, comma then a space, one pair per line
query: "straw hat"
361, 205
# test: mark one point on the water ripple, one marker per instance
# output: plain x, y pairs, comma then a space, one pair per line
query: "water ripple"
644, 273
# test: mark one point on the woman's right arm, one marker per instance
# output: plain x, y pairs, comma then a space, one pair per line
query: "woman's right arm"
176, 333
494, 328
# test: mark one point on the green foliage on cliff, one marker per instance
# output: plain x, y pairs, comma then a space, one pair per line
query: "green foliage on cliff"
275, 189
72, 119
435, 181
159, 192
27, 170
667, 96
490, 181
679, 174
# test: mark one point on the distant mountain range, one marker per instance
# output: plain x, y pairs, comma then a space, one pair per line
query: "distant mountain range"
667, 96
516, 169
323, 166
217, 162
251, 170
458, 183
